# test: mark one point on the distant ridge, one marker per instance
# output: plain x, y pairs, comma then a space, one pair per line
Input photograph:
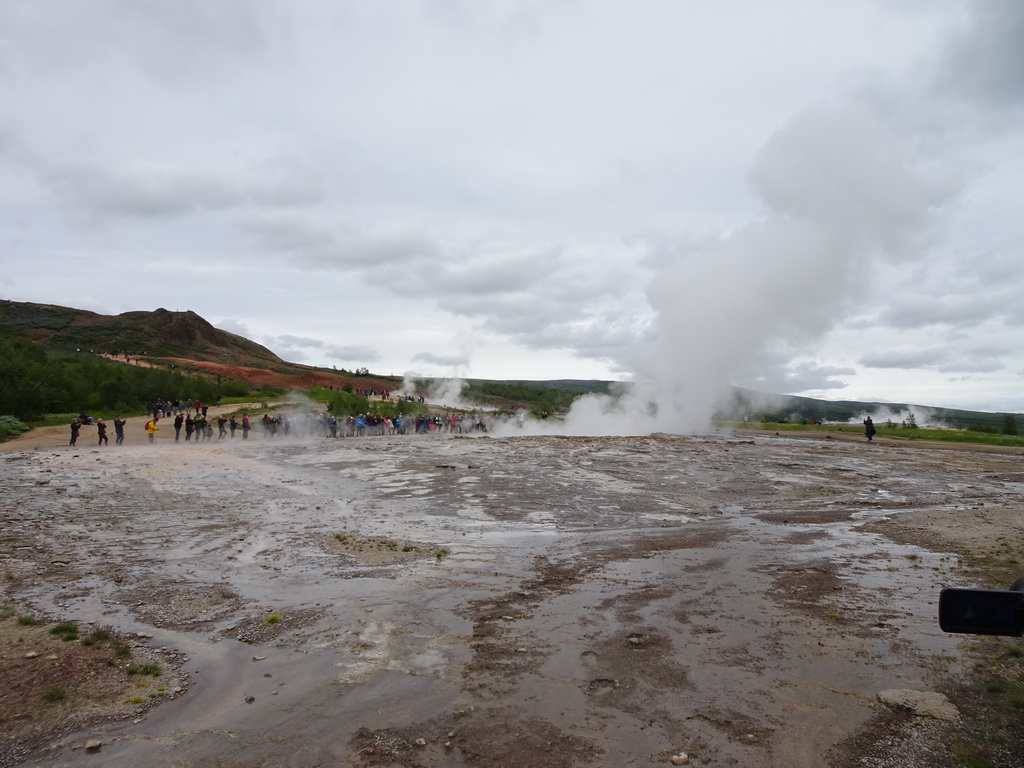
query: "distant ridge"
159, 333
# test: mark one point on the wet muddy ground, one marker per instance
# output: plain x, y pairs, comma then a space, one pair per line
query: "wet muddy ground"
473, 601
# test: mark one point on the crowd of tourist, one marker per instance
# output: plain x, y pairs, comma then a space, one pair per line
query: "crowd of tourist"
191, 424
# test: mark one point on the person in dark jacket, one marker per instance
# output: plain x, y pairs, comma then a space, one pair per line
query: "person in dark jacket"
869, 428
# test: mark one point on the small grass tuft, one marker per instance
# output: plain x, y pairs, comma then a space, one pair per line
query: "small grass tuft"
66, 630
54, 693
148, 668
273, 618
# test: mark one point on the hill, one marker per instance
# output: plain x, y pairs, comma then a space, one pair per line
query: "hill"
159, 333
181, 338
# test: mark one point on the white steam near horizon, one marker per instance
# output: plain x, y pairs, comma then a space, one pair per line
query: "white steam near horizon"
840, 188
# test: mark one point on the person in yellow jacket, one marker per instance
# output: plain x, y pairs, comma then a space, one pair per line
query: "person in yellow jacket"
151, 428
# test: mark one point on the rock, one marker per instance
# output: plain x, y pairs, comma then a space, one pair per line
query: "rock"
922, 703
681, 759
31, 654
258, 658
250, 699
93, 745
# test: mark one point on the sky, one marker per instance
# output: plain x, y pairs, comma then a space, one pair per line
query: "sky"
799, 197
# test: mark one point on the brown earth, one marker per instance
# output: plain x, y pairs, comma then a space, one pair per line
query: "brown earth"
522, 601
293, 377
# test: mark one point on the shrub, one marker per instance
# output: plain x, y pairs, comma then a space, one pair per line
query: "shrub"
10, 426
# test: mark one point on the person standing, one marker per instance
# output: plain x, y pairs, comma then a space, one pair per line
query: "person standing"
151, 428
233, 425
101, 432
178, 421
119, 430
190, 427
246, 426
221, 430
76, 425
869, 428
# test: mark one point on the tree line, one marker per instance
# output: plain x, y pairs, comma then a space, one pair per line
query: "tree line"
35, 382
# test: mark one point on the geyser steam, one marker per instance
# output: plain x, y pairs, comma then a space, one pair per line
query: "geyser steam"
840, 188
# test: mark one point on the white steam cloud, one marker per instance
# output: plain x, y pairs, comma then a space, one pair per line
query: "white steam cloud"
843, 184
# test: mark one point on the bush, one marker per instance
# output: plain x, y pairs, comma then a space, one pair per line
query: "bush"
10, 426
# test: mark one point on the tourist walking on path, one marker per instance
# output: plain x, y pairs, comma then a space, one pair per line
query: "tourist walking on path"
101, 432
119, 430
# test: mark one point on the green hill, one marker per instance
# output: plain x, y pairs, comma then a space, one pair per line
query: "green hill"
159, 333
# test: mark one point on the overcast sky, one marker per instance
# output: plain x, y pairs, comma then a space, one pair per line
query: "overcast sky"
803, 197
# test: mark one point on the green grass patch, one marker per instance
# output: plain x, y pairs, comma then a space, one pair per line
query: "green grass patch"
148, 668
55, 693
66, 631
905, 433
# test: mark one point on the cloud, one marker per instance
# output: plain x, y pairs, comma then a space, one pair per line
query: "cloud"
361, 354
983, 59
451, 361
804, 376
947, 359
322, 244
153, 190
298, 341
904, 358
916, 311
233, 326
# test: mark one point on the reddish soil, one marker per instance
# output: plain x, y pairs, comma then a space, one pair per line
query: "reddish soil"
302, 378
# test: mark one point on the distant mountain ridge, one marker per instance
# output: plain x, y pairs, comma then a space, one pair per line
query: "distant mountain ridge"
158, 333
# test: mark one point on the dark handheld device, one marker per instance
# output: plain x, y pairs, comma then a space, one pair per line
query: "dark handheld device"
983, 611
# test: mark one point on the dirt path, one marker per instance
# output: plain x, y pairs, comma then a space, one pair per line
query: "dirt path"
531, 601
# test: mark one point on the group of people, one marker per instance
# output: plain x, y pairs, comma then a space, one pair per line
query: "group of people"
373, 424
101, 429
198, 427
201, 428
